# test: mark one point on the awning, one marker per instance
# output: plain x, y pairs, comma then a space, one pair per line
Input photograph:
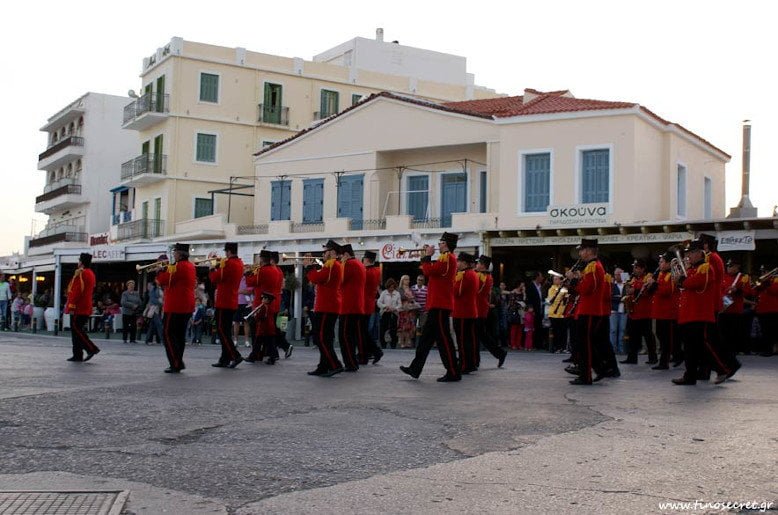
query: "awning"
119, 189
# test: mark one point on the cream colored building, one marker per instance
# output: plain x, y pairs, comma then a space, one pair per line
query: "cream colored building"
204, 110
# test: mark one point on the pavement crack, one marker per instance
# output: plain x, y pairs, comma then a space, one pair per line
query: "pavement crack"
191, 436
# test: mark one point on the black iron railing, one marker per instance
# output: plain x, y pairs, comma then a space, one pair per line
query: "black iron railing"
145, 163
76, 141
427, 223
145, 228
151, 102
74, 189
273, 114
58, 238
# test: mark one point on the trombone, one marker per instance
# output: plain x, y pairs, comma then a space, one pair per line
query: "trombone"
151, 266
287, 257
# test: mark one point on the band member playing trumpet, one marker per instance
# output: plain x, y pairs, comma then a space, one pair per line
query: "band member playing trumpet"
351, 307
484, 335
440, 277
466, 312
261, 279
178, 281
366, 346
664, 311
327, 279
733, 322
226, 276
277, 286
639, 318
79, 307
560, 325
767, 310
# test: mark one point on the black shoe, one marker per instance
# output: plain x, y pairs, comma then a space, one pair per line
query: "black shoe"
332, 372
220, 365
316, 372
734, 370
171, 370
578, 381
378, 357
608, 373
568, 360
237, 362
684, 381
90, 355
351, 369
271, 361
73, 358
409, 371
660, 367
628, 362
288, 351
249, 360
652, 362
677, 364
501, 361
448, 379
573, 370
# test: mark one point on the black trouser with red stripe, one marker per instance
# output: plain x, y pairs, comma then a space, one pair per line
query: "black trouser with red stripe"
174, 333
437, 329
699, 349
667, 334
735, 332
80, 339
349, 336
464, 328
768, 322
366, 345
637, 330
487, 339
325, 329
224, 330
591, 341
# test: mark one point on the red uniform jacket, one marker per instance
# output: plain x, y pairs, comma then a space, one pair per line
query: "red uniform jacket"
80, 291
485, 284
664, 301
590, 292
327, 280
698, 296
767, 302
717, 268
741, 290
277, 286
642, 309
265, 321
178, 281
466, 285
261, 281
353, 287
226, 277
607, 294
440, 281
372, 280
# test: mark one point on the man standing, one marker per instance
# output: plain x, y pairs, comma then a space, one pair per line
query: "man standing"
536, 299
226, 277
639, 326
618, 315
352, 307
440, 300
419, 291
466, 312
327, 279
6, 295
366, 345
79, 306
485, 305
178, 282
664, 311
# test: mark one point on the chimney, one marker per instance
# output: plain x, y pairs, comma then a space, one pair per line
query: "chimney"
379, 34
745, 209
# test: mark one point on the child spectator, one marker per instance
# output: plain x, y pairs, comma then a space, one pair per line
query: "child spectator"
27, 310
529, 327
16, 311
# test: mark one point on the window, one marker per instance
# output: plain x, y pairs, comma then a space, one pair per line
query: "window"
681, 191
280, 200
355, 98
595, 176
418, 197
209, 87
271, 108
267, 143
203, 207
329, 103
707, 200
313, 200
536, 183
482, 191
206, 148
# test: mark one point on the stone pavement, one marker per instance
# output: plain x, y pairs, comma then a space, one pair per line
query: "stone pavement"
263, 439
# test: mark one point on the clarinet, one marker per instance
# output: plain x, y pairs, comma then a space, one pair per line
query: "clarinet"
649, 288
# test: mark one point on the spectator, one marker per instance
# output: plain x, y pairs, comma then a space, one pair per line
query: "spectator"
517, 303
309, 297
502, 294
239, 318
406, 323
389, 305
16, 311
153, 313
130, 302
420, 295
112, 310
198, 322
618, 320
529, 327
6, 296
27, 313
536, 296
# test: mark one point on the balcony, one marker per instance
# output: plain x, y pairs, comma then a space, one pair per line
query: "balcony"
64, 151
72, 230
428, 223
273, 115
145, 229
121, 217
367, 225
303, 227
146, 111
59, 195
253, 229
144, 169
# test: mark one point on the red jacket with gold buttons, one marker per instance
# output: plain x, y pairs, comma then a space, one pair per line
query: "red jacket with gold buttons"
466, 285
590, 292
80, 289
372, 280
767, 302
178, 281
717, 269
664, 301
699, 294
226, 277
440, 280
327, 280
353, 287
485, 283
642, 308
262, 280
740, 290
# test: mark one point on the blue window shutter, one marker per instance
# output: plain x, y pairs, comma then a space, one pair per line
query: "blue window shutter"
313, 200
286, 200
275, 200
537, 178
595, 180
418, 196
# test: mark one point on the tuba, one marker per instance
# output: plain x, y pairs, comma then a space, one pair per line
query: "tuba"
677, 267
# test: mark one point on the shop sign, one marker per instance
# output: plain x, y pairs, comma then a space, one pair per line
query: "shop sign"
101, 238
108, 253
389, 252
660, 237
736, 240
578, 214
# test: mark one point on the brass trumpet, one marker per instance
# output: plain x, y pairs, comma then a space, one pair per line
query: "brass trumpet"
287, 257
403, 251
764, 277
151, 266
211, 261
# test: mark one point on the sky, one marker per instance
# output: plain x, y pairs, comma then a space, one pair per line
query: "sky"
707, 65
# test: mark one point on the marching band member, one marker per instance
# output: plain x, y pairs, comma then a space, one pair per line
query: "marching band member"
465, 312
178, 281
262, 280
696, 316
352, 307
327, 279
556, 301
440, 299
664, 311
366, 346
275, 307
79, 307
639, 318
226, 276
485, 284
767, 311
265, 323
733, 323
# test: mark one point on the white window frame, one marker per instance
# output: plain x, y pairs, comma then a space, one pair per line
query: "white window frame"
579, 150
194, 149
676, 214
405, 190
704, 215
194, 203
520, 188
200, 85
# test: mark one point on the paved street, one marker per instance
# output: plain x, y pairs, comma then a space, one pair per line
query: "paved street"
263, 439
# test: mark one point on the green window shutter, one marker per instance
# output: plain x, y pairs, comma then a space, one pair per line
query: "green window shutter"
203, 207
329, 103
206, 148
209, 87
355, 99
